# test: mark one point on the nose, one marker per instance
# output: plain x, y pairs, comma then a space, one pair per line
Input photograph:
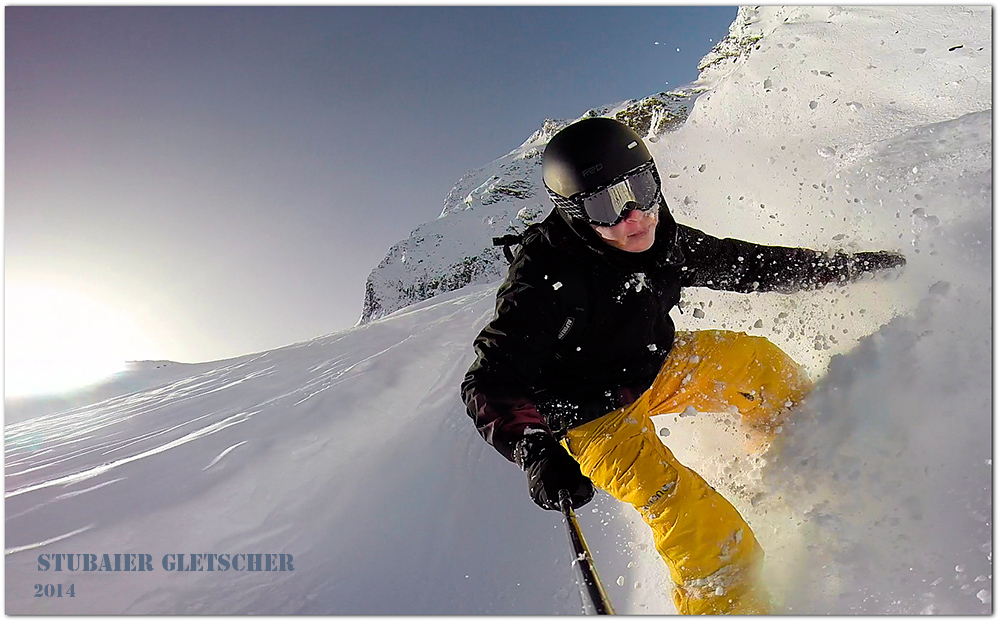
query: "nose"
632, 212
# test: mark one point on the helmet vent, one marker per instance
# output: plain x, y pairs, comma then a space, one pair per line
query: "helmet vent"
633, 145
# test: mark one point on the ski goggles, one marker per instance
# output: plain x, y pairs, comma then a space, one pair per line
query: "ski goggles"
606, 207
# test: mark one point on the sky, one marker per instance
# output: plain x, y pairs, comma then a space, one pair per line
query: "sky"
179, 179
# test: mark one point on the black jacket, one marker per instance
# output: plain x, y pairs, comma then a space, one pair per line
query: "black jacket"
582, 328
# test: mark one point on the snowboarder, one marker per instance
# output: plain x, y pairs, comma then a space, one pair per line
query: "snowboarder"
582, 351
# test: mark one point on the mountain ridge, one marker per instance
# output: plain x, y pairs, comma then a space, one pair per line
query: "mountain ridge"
501, 198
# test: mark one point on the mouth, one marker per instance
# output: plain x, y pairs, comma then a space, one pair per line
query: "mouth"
641, 234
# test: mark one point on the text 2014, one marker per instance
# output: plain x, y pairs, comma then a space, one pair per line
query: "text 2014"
54, 591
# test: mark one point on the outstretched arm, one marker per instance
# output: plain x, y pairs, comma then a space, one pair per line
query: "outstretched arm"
739, 266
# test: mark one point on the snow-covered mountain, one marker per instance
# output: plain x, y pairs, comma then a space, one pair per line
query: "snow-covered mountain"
854, 98
858, 128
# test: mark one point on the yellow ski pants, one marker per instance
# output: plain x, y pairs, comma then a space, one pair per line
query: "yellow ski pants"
713, 557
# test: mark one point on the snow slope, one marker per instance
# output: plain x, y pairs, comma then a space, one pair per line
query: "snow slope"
137, 376
353, 453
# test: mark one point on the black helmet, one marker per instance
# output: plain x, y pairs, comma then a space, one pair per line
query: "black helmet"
588, 156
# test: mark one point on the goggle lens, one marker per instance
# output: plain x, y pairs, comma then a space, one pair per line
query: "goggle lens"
641, 190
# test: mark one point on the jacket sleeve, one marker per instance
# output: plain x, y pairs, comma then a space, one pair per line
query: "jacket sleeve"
738, 266
510, 353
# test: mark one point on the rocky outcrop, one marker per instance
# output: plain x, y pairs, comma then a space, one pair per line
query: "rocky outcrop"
738, 42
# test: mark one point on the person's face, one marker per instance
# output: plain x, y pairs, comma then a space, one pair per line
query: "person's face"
634, 234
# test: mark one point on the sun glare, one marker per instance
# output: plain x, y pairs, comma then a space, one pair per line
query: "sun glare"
56, 339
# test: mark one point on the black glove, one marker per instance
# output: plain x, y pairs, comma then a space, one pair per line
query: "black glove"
874, 261
550, 469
